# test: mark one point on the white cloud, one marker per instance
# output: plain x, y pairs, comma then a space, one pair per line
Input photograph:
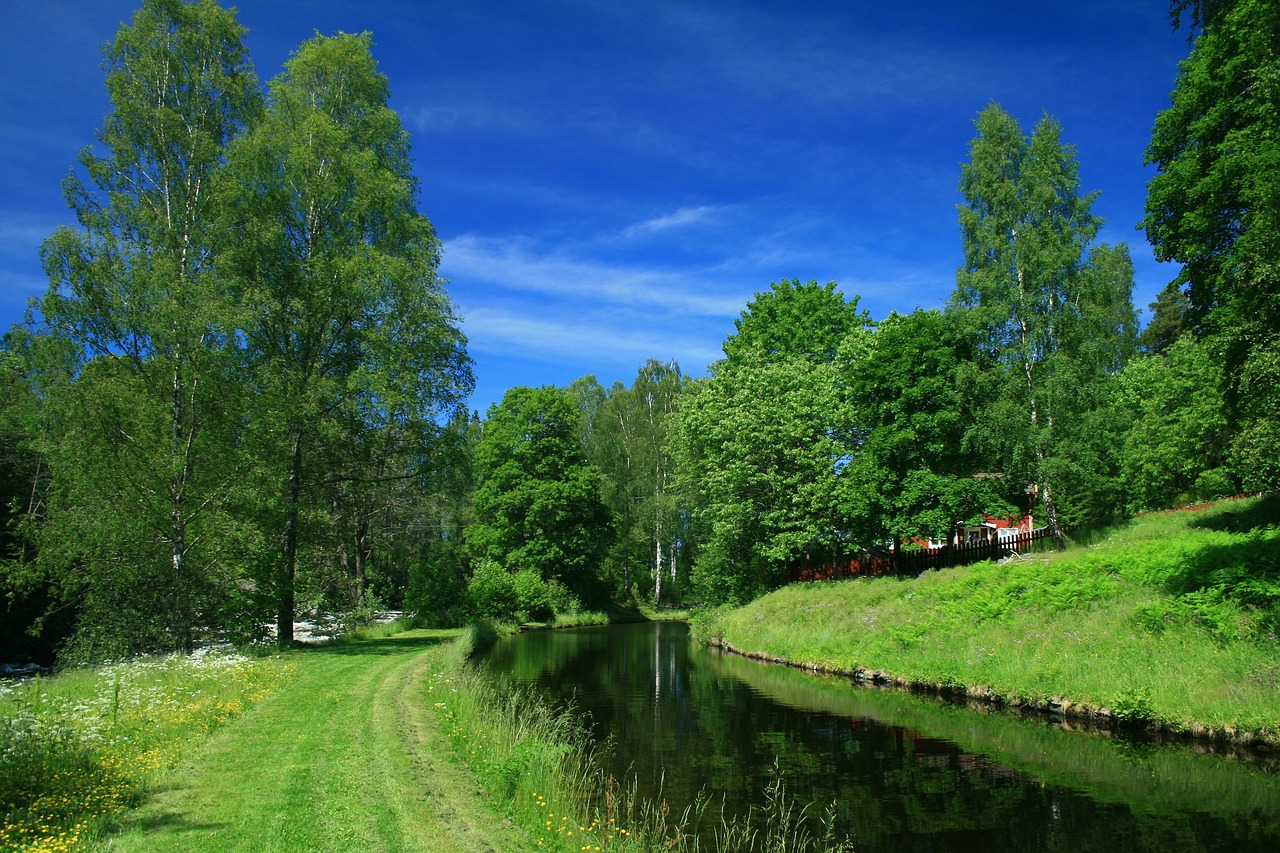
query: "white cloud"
517, 264
581, 337
685, 217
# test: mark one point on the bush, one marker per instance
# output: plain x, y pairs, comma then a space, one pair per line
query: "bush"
533, 596
438, 592
492, 591
524, 596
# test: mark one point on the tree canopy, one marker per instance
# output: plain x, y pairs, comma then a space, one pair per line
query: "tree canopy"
244, 395
537, 497
1047, 319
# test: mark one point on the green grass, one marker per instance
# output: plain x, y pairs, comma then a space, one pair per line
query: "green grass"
346, 756
326, 748
1170, 621
78, 750
388, 740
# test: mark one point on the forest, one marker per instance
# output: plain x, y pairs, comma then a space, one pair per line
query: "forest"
244, 395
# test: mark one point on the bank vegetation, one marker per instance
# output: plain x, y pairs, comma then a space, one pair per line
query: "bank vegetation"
1167, 622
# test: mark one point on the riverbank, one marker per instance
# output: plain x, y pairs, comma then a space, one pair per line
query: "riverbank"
383, 741
1169, 623
332, 747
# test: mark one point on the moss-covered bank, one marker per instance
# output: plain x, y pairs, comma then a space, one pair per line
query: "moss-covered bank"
1169, 622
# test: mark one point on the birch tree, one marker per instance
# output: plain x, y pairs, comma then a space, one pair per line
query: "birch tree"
132, 288
350, 340
1027, 296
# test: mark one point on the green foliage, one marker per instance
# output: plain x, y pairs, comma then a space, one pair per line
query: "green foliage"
1174, 427
1048, 323
1168, 320
351, 344
521, 596
438, 590
245, 352
759, 465
1255, 447
130, 361
491, 592
911, 476
810, 321
629, 440
1214, 207
760, 444
537, 500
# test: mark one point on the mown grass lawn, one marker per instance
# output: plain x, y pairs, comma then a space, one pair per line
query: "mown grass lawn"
346, 756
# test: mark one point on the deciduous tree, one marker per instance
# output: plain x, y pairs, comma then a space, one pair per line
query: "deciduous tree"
133, 290
1174, 445
1214, 207
537, 500
348, 334
909, 475
761, 442
1047, 322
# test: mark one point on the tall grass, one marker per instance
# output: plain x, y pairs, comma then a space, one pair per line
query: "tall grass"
1171, 621
539, 766
80, 747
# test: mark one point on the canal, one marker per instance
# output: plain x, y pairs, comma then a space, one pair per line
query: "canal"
898, 771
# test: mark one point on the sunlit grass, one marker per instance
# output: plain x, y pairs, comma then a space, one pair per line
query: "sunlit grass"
79, 748
1170, 620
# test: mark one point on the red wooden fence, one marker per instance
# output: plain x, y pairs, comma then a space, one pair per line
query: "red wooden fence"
906, 563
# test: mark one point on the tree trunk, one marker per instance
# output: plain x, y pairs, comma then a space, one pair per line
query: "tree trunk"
362, 556
289, 554
657, 557
1051, 512
177, 517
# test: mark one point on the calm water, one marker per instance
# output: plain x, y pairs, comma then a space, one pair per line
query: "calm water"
903, 772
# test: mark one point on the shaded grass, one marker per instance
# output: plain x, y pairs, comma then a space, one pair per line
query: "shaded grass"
1171, 621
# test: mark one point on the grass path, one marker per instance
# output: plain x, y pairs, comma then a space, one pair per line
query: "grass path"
346, 756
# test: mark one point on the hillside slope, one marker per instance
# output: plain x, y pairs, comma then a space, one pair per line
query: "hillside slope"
1170, 622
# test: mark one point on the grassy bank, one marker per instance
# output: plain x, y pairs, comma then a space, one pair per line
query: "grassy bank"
386, 741
1170, 621
326, 748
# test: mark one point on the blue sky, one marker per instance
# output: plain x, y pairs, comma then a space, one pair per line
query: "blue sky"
613, 181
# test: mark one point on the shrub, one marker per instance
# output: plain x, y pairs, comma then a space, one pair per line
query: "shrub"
533, 596
492, 591
523, 596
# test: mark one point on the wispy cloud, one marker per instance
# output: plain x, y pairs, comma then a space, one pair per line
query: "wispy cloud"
518, 264
582, 339
685, 217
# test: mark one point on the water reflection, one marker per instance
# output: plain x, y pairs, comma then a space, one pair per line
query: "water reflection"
903, 772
